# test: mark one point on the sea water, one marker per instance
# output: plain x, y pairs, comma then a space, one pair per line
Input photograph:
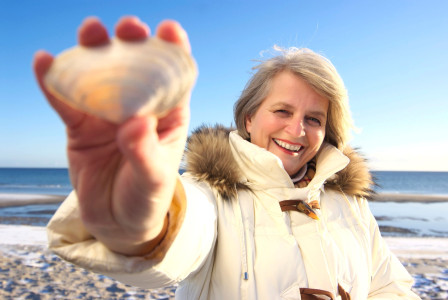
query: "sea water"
47, 181
57, 182
26, 182
411, 218
400, 182
416, 219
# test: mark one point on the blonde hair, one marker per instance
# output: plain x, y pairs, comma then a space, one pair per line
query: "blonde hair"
318, 72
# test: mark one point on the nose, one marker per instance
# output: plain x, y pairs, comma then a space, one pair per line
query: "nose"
296, 128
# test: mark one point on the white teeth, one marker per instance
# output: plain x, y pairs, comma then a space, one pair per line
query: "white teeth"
287, 146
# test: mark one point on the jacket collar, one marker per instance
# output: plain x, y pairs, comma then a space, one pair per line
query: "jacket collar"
228, 163
262, 170
265, 169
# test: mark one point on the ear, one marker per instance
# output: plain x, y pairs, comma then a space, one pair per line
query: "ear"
248, 123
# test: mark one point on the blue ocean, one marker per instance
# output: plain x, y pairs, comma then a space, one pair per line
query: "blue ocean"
403, 219
50, 181
35, 181
421, 183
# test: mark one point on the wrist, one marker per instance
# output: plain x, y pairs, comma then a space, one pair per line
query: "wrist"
157, 247
141, 248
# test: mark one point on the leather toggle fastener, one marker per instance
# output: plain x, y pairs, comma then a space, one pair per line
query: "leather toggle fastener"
301, 206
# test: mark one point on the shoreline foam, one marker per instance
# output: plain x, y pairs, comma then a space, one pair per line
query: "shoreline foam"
19, 199
10, 199
23, 235
390, 197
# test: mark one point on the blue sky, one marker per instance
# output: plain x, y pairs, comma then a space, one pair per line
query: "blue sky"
392, 55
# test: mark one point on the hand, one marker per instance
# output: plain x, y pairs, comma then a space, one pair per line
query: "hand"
124, 175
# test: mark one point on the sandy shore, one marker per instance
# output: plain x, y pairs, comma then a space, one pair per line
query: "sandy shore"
28, 270
32, 272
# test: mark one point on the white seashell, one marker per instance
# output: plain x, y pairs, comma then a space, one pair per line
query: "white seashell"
122, 79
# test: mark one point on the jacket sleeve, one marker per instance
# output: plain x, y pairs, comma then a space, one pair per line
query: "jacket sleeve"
189, 241
390, 279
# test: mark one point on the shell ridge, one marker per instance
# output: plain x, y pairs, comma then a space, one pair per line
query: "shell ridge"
121, 79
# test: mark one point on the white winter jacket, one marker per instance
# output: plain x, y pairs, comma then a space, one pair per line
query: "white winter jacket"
232, 241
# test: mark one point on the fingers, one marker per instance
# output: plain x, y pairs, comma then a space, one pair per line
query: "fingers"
92, 33
131, 29
173, 32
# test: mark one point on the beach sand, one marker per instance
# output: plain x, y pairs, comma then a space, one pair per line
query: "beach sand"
32, 272
28, 270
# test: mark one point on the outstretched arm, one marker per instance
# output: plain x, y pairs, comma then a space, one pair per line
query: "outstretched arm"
124, 175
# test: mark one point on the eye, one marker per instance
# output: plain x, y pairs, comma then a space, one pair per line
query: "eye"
282, 112
314, 121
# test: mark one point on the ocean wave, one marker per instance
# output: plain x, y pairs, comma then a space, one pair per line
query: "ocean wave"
25, 186
39, 197
43, 189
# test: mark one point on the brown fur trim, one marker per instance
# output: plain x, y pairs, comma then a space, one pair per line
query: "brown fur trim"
210, 159
355, 179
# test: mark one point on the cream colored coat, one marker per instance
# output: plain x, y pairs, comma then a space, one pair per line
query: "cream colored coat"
246, 247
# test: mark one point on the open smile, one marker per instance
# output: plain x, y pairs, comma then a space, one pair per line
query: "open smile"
287, 146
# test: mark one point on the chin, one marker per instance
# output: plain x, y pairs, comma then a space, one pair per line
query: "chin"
292, 171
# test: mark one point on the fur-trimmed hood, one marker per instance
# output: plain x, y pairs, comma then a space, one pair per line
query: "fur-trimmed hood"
209, 158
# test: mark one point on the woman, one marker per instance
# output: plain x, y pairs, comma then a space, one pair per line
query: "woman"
274, 210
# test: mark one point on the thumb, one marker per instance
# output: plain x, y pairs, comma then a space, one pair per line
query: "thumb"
138, 141
41, 64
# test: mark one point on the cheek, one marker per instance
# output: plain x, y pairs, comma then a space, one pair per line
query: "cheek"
318, 138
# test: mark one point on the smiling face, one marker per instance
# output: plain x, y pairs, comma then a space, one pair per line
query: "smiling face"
290, 121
